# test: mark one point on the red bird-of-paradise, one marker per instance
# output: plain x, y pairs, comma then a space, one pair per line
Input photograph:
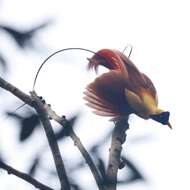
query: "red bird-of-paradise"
123, 89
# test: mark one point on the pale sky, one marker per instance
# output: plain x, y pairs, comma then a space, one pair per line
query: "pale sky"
159, 31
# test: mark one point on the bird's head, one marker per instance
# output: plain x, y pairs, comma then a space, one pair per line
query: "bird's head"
162, 117
146, 106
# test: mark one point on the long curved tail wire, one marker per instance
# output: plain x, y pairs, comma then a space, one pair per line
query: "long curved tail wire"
37, 74
50, 56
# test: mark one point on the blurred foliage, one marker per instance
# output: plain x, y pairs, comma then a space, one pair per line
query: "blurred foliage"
75, 186
63, 132
134, 173
27, 124
3, 63
34, 166
24, 38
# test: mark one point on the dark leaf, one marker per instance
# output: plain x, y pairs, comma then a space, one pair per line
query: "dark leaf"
3, 63
76, 167
75, 187
15, 116
24, 38
1, 158
94, 148
34, 166
135, 174
102, 169
28, 125
63, 132
72, 120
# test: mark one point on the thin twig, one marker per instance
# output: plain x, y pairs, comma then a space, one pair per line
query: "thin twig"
43, 115
118, 138
63, 121
24, 176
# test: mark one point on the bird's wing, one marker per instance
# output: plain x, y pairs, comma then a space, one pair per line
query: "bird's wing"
106, 95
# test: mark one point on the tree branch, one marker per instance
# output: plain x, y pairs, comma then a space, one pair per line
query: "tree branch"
63, 121
24, 176
118, 138
43, 115
15, 91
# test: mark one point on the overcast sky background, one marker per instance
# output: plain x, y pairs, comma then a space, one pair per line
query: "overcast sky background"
159, 31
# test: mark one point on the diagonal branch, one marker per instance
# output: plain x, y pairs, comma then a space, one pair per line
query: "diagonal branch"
118, 138
24, 176
15, 91
43, 115
62, 121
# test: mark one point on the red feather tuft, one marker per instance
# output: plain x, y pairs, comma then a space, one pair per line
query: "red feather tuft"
107, 58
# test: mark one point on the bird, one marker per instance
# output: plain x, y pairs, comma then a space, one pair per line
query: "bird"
122, 90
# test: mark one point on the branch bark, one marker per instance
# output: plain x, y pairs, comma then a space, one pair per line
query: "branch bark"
24, 176
15, 91
118, 138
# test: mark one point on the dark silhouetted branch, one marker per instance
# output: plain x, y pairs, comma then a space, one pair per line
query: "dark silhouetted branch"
24, 176
118, 138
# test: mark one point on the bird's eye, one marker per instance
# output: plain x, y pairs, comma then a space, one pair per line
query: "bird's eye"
162, 117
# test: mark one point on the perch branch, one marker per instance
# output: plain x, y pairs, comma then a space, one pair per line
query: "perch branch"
43, 115
118, 138
24, 176
63, 121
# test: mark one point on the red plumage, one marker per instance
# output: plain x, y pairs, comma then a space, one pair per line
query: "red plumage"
106, 94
